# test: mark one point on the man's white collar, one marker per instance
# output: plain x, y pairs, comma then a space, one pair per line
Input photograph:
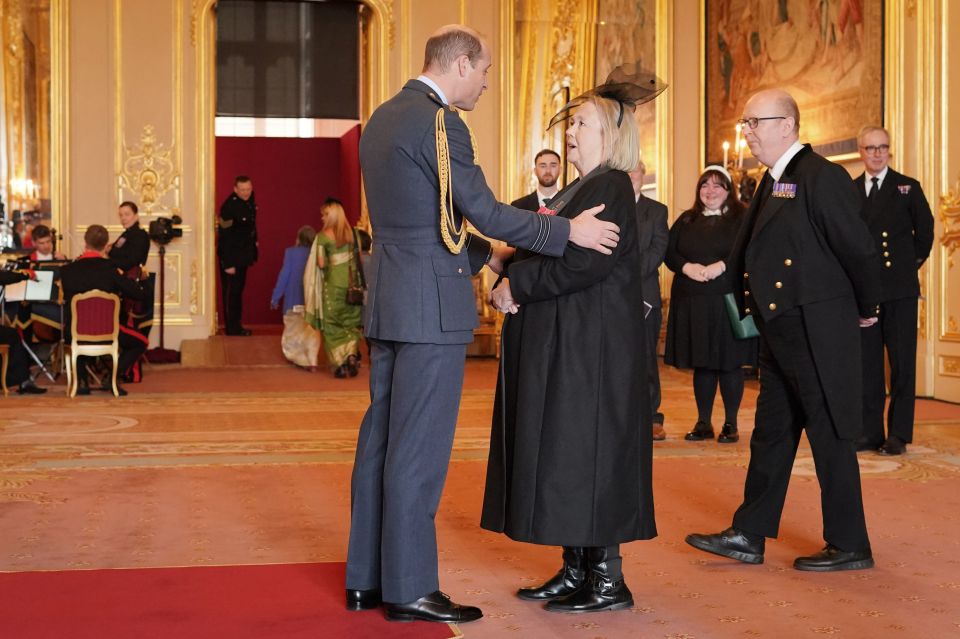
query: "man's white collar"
433, 85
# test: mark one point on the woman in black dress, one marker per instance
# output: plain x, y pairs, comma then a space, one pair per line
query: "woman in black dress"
699, 335
571, 445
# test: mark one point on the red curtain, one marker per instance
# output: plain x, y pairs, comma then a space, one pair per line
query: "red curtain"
291, 179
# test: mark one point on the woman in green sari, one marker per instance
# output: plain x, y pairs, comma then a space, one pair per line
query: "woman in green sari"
326, 279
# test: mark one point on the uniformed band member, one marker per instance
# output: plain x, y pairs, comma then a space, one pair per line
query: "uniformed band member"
546, 168
653, 237
423, 184
129, 251
18, 366
93, 270
809, 270
43, 250
237, 248
899, 219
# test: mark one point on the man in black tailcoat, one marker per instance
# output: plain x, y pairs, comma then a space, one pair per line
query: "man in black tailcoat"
546, 167
899, 219
653, 238
237, 249
809, 277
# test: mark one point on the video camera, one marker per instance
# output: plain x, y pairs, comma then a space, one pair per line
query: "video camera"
163, 229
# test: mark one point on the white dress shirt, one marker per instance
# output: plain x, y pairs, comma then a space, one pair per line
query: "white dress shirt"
433, 85
868, 179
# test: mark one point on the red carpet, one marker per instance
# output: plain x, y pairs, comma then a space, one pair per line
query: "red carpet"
240, 602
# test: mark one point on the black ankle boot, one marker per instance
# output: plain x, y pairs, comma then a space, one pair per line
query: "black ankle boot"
604, 589
567, 580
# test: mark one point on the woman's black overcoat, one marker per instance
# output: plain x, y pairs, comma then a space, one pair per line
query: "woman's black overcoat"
571, 446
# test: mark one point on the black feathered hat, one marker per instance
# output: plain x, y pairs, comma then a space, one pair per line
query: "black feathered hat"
627, 84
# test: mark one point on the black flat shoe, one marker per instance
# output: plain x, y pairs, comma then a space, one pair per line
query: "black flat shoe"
700, 432
121, 391
865, 444
893, 446
729, 434
730, 543
599, 594
434, 607
363, 599
568, 579
832, 558
29, 388
341, 372
83, 390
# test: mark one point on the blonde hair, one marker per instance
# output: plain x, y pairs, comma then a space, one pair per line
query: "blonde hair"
336, 219
621, 144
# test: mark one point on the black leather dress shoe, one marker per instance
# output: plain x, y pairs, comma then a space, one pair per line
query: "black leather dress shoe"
832, 558
434, 607
83, 390
363, 599
701, 431
730, 543
29, 388
893, 446
729, 434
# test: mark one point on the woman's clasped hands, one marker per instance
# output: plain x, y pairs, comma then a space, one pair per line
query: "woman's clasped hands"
701, 273
502, 299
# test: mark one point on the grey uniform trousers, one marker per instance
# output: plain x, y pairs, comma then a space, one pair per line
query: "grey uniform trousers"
403, 450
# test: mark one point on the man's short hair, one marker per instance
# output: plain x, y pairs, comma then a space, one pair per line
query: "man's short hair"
867, 129
241, 179
130, 205
539, 155
445, 47
96, 237
39, 232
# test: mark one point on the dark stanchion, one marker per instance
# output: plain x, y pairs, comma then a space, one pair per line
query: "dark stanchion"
162, 355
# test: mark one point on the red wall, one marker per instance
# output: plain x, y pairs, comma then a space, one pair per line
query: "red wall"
291, 179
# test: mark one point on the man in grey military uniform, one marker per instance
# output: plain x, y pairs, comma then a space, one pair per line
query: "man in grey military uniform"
422, 182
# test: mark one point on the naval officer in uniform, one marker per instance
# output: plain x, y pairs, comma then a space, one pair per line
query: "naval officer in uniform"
809, 276
422, 185
899, 219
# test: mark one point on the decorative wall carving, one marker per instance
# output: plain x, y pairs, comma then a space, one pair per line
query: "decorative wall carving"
149, 175
13, 84
949, 212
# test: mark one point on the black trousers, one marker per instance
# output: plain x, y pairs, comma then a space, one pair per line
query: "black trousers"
651, 327
791, 401
18, 368
232, 289
897, 331
131, 349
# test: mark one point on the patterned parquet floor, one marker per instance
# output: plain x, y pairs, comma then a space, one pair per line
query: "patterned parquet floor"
248, 462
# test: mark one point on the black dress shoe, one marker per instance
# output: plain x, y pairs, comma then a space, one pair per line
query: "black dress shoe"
832, 558
107, 388
701, 431
434, 607
569, 578
340, 372
83, 390
893, 446
730, 543
363, 599
729, 434
863, 444
352, 366
597, 595
29, 388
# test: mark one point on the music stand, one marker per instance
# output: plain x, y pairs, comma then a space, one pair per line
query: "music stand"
43, 289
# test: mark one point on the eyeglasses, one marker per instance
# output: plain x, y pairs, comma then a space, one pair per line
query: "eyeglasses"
755, 122
879, 149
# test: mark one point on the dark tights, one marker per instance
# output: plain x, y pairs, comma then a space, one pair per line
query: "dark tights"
705, 389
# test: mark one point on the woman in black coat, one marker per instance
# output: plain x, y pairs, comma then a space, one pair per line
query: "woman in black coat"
571, 446
699, 335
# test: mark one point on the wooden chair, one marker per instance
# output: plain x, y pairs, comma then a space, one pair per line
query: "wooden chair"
5, 354
94, 331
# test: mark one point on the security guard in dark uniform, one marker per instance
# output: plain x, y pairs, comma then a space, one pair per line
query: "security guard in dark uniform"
237, 249
900, 221
808, 270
